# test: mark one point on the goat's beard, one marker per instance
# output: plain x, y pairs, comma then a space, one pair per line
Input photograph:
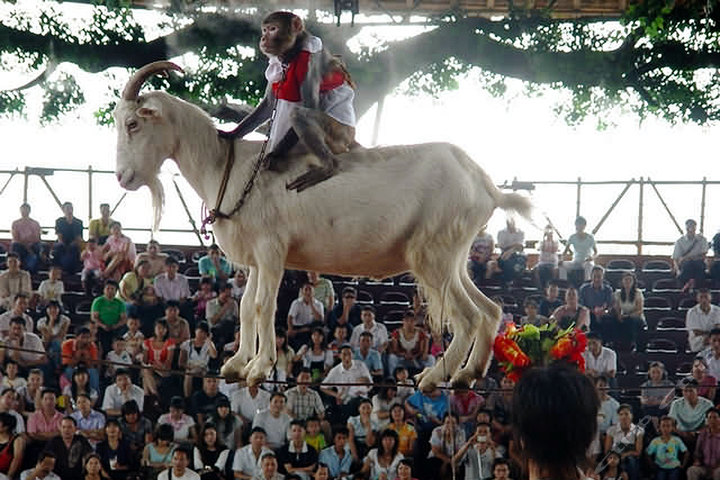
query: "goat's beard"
158, 201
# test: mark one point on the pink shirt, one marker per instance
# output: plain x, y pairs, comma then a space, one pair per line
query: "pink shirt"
25, 230
92, 260
117, 244
38, 423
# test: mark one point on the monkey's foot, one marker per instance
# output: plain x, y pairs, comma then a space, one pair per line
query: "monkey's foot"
312, 177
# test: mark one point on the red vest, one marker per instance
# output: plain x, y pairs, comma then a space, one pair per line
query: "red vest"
289, 88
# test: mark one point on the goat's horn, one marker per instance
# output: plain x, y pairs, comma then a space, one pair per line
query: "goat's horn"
136, 81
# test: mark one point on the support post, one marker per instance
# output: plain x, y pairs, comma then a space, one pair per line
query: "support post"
90, 192
577, 201
640, 216
612, 207
52, 192
667, 209
702, 205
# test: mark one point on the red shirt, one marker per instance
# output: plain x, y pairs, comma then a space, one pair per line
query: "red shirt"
289, 88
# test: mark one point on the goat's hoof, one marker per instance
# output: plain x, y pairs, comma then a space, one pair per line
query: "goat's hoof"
312, 177
235, 368
427, 380
258, 373
466, 376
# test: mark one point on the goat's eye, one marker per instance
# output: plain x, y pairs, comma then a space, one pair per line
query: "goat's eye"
131, 125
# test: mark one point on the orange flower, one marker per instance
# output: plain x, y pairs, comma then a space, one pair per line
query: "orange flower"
506, 350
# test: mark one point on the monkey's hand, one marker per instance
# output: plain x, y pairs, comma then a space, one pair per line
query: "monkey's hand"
312, 177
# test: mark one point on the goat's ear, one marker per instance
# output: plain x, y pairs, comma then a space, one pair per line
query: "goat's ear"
149, 109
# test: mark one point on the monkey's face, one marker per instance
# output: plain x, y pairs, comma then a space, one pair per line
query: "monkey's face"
276, 38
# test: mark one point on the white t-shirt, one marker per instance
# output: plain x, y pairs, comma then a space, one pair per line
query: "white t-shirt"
244, 460
275, 427
696, 319
302, 313
582, 248
242, 403
603, 363
379, 333
188, 475
27, 475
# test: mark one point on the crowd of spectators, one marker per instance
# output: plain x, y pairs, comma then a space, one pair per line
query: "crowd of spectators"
133, 392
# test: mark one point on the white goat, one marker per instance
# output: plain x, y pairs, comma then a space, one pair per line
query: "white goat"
390, 210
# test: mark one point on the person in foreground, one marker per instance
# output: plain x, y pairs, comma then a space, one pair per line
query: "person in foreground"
554, 399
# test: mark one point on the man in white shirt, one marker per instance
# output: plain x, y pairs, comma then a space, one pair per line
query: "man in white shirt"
689, 256
247, 401
19, 309
274, 421
700, 319
268, 468
599, 360
347, 371
43, 469
304, 312
120, 392
378, 330
712, 353
246, 462
180, 470
13, 281
172, 285
28, 351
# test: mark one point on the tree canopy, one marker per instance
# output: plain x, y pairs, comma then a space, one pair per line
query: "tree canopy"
661, 59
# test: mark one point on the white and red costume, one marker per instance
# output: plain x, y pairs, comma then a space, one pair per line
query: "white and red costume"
336, 96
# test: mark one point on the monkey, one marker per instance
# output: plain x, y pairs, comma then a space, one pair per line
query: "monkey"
312, 95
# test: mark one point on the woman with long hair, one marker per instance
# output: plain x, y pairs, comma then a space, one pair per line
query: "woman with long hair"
362, 430
157, 455
554, 419
316, 356
158, 354
80, 383
227, 423
405, 430
571, 312
92, 468
115, 453
209, 454
382, 462
12, 446
119, 253
623, 327
383, 401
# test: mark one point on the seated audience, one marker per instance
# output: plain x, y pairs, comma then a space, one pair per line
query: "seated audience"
108, 313
571, 312
222, 314
706, 464
171, 285
346, 312
443, 445
550, 301
80, 384
13, 282
179, 470
120, 393
115, 452
597, 296
12, 446
689, 257
369, 324
157, 455
202, 296
154, 257
512, 261
689, 411
409, 346
480, 255
712, 353
700, 320
202, 402
214, 265
315, 356
297, 457
548, 258
532, 317
404, 429
99, 228
347, 371
478, 453
304, 312
25, 348
599, 360
362, 430
90, 422
656, 393
246, 462
183, 425
81, 350
19, 309
93, 269
381, 463
707, 384
228, 426
195, 356
132, 286
52, 288
26, 243
43, 469
11, 378
238, 283
209, 453
382, 401
136, 429
69, 230
338, 457
44, 423
369, 356
69, 448
627, 438
268, 468
52, 329
247, 401
665, 450
624, 327
323, 291
119, 253
302, 401
274, 421
158, 353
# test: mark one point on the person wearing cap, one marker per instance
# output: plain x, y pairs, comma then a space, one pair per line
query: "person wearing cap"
246, 462
346, 312
81, 349
120, 392
689, 257
689, 410
183, 425
378, 330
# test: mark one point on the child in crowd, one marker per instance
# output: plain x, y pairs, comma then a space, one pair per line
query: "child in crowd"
204, 294
119, 357
611, 469
405, 385
93, 265
11, 378
51, 288
666, 450
501, 469
134, 339
313, 435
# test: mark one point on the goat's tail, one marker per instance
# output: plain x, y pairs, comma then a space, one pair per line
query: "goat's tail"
508, 201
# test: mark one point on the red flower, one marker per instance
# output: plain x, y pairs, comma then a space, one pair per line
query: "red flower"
506, 350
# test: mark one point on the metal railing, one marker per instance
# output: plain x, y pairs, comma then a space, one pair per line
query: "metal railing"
657, 211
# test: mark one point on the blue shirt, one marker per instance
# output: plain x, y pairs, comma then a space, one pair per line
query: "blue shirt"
426, 406
94, 421
336, 465
591, 297
372, 361
207, 267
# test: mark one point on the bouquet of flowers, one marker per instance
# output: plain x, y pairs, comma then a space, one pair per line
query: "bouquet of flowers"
520, 348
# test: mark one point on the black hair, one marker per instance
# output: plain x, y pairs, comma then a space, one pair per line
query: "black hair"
165, 432
555, 399
19, 321
129, 407
9, 421
113, 283
633, 289
164, 323
368, 308
46, 454
389, 434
